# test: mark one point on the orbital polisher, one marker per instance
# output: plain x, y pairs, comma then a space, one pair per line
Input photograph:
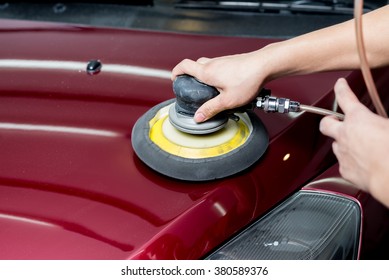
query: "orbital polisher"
190, 95
168, 140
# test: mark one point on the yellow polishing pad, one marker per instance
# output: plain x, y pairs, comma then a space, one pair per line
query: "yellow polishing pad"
200, 157
168, 138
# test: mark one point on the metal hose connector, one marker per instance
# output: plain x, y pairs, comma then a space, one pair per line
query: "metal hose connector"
271, 104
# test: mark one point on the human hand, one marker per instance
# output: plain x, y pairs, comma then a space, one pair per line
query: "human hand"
238, 78
360, 144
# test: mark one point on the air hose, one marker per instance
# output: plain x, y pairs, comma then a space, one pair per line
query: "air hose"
358, 7
284, 105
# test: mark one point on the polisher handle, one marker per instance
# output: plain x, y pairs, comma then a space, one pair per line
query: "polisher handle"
191, 94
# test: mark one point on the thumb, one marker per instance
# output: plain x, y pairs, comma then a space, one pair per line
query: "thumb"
345, 96
208, 109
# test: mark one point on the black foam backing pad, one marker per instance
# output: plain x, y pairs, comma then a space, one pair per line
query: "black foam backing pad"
203, 169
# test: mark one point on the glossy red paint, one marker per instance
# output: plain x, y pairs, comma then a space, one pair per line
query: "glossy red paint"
71, 186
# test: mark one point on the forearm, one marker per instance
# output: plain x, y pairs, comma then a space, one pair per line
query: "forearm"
332, 48
239, 77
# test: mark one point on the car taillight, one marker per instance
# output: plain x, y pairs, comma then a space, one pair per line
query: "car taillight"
308, 225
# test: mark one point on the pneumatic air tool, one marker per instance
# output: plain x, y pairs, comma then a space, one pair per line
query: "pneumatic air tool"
191, 94
168, 140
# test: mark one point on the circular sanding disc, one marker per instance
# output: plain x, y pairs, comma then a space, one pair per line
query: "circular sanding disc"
198, 157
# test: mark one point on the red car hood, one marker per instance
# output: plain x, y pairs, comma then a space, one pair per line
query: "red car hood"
71, 186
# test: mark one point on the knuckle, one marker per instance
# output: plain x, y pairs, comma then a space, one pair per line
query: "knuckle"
202, 59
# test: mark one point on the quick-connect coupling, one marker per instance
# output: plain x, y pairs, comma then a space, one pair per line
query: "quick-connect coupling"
277, 105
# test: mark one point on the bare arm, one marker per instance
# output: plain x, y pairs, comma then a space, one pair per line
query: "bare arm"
334, 48
239, 77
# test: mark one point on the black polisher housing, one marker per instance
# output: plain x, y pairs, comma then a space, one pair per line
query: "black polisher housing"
190, 95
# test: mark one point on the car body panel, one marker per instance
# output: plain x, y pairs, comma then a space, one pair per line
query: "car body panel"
71, 186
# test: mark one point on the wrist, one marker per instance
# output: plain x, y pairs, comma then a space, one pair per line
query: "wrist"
267, 68
276, 61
